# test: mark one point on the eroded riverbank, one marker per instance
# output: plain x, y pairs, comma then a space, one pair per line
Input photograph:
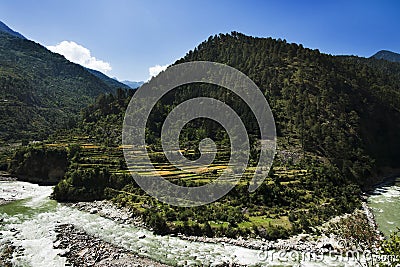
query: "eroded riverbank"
302, 242
32, 225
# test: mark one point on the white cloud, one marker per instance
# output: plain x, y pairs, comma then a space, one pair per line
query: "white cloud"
80, 55
155, 70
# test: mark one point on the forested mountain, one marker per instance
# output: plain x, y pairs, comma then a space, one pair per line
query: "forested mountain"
343, 109
41, 91
387, 55
346, 109
6, 29
338, 126
107, 80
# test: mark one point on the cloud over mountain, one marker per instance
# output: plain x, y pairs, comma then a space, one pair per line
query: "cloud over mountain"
81, 55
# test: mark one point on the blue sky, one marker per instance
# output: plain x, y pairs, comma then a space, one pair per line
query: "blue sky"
133, 36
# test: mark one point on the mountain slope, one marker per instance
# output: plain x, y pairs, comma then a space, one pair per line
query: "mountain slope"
346, 109
4, 28
133, 85
40, 90
387, 55
342, 109
338, 126
107, 80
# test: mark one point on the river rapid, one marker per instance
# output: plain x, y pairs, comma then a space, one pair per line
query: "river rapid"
29, 221
385, 204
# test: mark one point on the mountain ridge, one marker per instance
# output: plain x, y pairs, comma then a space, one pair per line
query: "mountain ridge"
132, 84
108, 80
387, 55
41, 90
290, 73
4, 28
337, 121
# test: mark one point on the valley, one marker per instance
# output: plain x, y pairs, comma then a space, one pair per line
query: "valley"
67, 185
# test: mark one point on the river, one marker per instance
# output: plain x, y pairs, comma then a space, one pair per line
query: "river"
29, 222
385, 204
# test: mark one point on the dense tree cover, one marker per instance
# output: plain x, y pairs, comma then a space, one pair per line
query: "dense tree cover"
41, 91
38, 164
391, 246
346, 109
88, 185
337, 121
101, 120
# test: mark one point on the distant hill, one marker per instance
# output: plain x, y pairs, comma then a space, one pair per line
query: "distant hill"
109, 81
6, 29
40, 91
387, 55
133, 85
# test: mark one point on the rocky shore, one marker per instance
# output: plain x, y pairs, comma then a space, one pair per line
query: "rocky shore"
109, 210
319, 244
83, 250
4, 201
6, 253
4, 176
371, 220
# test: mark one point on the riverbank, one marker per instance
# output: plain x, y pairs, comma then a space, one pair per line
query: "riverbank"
329, 238
109, 210
83, 250
6, 253
325, 239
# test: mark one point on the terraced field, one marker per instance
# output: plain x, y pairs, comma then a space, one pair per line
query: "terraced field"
296, 195
93, 155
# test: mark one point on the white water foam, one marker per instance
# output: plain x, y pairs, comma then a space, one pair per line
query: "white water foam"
34, 232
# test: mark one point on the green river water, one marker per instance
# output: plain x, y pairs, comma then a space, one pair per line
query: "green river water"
385, 204
29, 222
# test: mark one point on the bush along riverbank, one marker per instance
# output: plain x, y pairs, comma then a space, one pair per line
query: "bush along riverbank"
38, 164
356, 230
353, 234
296, 198
293, 200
